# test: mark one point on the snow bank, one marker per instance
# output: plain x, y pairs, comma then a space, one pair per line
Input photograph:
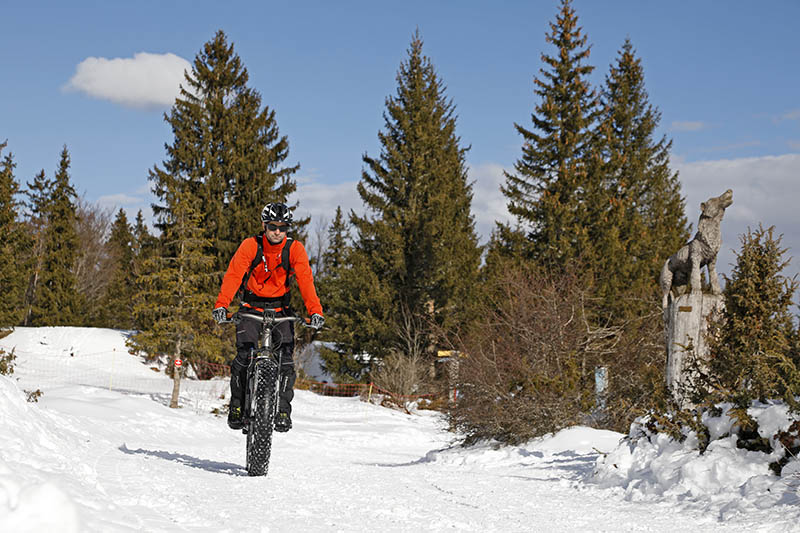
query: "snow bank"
650, 466
30, 500
97, 357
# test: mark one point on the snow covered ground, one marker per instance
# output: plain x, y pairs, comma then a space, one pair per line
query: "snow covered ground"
94, 456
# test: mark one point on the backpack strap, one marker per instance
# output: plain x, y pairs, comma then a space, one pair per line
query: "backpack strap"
285, 260
256, 260
287, 267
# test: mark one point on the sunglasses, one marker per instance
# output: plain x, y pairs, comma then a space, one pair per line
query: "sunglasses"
273, 227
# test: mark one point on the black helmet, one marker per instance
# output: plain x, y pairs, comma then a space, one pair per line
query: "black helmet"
276, 212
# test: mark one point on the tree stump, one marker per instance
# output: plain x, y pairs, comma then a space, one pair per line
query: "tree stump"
686, 323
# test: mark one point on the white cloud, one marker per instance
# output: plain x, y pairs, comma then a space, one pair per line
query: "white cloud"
688, 125
119, 200
145, 81
132, 202
319, 200
765, 190
488, 203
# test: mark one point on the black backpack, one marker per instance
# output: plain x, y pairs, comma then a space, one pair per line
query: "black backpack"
258, 301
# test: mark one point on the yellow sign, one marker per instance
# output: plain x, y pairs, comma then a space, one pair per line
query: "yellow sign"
450, 353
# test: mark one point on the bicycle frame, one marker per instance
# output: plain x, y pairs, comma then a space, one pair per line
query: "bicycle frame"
265, 352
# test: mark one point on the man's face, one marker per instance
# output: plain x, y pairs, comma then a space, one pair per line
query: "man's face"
275, 231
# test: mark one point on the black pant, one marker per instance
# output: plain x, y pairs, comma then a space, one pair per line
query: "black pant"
247, 334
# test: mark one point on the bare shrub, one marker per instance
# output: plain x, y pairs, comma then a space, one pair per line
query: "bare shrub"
401, 374
405, 371
530, 362
636, 368
93, 266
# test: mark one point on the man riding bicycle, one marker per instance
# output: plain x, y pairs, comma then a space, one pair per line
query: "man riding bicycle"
263, 265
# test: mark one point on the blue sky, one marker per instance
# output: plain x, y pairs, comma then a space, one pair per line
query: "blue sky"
725, 76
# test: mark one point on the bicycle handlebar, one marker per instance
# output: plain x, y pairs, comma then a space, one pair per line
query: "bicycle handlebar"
266, 318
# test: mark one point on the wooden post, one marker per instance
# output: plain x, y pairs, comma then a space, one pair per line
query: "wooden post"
176, 382
177, 370
686, 322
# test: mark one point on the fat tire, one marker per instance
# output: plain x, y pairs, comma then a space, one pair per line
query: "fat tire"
262, 419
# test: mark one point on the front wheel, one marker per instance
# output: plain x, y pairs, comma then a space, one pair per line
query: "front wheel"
262, 417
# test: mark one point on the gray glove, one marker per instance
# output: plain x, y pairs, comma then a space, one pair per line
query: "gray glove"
220, 315
317, 321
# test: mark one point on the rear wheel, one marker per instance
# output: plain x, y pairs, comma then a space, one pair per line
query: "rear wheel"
262, 417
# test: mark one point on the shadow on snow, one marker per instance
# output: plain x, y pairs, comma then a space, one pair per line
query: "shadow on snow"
566, 464
194, 462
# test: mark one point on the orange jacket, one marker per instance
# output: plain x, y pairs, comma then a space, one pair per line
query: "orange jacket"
270, 284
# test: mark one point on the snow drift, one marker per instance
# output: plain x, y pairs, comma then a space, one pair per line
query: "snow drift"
724, 478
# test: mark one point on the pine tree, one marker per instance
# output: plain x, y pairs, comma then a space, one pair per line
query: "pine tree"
333, 257
226, 147
39, 194
547, 190
57, 301
416, 255
122, 287
173, 302
331, 286
143, 243
14, 243
752, 342
145, 246
638, 209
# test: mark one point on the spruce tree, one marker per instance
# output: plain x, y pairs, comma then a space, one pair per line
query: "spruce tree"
226, 147
172, 301
333, 258
638, 208
122, 287
145, 246
14, 245
39, 194
547, 190
416, 254
752, 342
144, 243
57, 301
332, 286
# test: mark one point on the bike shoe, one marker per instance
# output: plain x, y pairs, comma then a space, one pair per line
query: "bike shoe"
235, 418
283, 423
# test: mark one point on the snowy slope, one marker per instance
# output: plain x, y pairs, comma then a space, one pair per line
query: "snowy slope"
86, 458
